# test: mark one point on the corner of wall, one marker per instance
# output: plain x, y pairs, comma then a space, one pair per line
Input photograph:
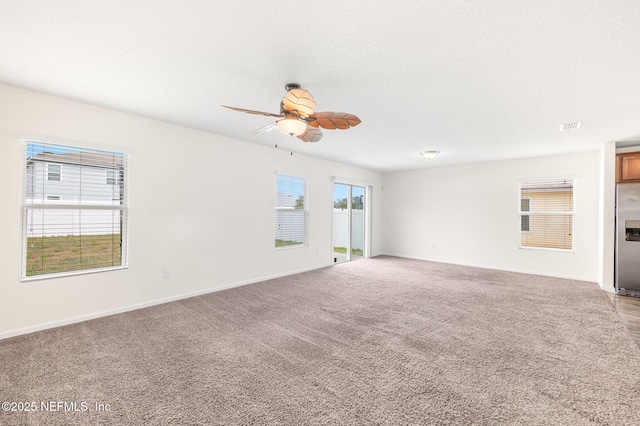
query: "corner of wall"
606, 222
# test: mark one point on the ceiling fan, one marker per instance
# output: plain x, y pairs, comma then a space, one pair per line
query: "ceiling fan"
298, 117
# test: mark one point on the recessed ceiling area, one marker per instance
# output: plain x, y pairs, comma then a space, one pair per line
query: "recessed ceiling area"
479, 81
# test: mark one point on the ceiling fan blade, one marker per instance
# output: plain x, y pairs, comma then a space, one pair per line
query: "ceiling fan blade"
311, 135
250, 111
268, 128
333, 120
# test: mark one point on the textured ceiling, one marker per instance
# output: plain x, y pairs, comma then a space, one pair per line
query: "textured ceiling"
477, 80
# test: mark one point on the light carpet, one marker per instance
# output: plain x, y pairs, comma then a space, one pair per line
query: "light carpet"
377, 341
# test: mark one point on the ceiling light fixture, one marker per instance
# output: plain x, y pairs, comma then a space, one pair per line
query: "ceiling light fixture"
429, 155
298, 99
292, 126
297, 116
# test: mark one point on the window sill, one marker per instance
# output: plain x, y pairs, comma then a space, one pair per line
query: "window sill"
31, 278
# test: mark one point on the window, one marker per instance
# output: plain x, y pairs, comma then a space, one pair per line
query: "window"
291, 212
53, 172
111, 176
525, 206
83, 228
546, 214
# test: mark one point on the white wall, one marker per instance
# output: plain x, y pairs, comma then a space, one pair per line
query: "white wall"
464, 214
179, 177
607, 221
469, 215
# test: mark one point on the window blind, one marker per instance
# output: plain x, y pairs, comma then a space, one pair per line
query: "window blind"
291, 211
547, 214
75, 209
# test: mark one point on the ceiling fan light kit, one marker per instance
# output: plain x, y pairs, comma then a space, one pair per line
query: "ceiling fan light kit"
298, 117
292, 126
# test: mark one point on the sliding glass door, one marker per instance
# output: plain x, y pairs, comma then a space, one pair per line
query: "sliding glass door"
348, 222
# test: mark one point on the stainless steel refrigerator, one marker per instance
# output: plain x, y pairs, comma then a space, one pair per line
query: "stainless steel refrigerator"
627, 270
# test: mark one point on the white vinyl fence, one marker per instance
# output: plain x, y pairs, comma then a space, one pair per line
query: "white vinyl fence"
62, 222
340, 226
290, 225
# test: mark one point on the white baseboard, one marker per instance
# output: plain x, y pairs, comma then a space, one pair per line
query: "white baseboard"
94, 315
80, 318
520, 271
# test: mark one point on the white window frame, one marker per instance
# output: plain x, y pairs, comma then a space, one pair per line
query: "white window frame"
305, 231
46, 203
531, 213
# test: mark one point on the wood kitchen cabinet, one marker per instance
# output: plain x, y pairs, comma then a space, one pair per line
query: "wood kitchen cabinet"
628, 167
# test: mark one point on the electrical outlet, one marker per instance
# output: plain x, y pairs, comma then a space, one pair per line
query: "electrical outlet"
166, 274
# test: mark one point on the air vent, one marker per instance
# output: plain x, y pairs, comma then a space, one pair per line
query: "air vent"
570, 126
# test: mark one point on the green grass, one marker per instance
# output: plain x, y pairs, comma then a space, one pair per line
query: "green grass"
343, 250
49, 255
283, 243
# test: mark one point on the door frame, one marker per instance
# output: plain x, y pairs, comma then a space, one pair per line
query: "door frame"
368, 191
